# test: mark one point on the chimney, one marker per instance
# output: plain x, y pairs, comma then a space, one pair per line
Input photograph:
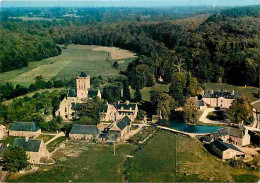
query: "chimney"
130, 108
203, 92
118, 102
107, 103
212, 91
127, 102
233, 92
26, 139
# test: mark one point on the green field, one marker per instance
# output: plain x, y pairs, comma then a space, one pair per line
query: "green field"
146, 91
156, 161
69, 64
250, 92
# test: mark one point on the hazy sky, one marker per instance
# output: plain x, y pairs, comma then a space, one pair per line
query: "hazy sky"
138, 3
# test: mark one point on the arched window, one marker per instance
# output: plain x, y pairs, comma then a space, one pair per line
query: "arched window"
65, 109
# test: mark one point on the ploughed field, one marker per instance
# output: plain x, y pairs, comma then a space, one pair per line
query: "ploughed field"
166, 157
73, 60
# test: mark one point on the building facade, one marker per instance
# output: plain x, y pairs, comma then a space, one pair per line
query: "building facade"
84, 132
3, 132
35, 149
117, 130
24, 129
75, 97
225, 150
222, 99
108, 113
126, 109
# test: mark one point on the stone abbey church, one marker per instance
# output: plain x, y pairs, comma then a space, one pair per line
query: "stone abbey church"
83, 92
77, 96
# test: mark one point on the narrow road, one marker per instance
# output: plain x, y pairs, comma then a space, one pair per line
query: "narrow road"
56, 136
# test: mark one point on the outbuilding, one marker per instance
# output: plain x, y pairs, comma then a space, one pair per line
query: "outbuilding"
225, 150
86, 132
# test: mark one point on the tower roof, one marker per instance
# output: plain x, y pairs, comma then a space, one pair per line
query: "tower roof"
82, 74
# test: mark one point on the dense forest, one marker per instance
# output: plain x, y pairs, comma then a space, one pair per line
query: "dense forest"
224, 48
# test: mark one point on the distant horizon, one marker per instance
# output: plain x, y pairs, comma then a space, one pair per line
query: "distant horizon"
128, 3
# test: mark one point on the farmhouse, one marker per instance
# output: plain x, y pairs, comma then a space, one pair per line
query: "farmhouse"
225, 150
222, 99
3, 132
237, 136
108, 113
35, 149
117, 130
77, 96
24, 129
86, 132
126, 109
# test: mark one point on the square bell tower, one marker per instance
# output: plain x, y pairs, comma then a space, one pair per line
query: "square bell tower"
83, 85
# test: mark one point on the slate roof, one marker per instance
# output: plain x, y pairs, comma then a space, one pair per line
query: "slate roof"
84, 129
31, 145
218, 94
72, 93
235, 132
125, 106
215, 135
201, 103
83, 74
92, 93
24, 126
224, 146
123, 123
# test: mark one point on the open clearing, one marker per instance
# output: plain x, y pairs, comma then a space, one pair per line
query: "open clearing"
156, 161
115, 53
72, 61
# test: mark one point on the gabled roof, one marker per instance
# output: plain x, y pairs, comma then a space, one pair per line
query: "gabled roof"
72, 93
125, 106
92, 93
218, 94
83, 74
85, 129
235, 132
24, 126
31, 145
123, 122
224, 146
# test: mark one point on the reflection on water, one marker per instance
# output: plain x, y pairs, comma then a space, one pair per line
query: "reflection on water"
181, 126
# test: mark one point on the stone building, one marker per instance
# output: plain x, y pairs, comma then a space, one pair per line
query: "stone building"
117, 130
24, 129
225, 150
222, 99
126, 109
108, 113
3, 132
77, 96
237, 136
86, 132
35, 149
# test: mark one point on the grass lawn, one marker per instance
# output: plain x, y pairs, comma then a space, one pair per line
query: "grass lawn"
146, 91
257, 106
69, 64
250, 92
51, 146
96, 164
45, 138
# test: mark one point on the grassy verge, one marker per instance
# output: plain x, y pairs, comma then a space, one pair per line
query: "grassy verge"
51, 146
45, 138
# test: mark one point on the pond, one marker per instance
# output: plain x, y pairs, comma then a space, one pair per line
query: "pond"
181, 126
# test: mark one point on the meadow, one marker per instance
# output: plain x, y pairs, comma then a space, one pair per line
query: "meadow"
72, 61
166, 157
